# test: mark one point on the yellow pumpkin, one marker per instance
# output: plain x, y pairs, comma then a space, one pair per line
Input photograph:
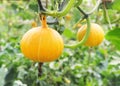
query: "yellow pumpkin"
68, 17
96, 35
42, 44
34, 24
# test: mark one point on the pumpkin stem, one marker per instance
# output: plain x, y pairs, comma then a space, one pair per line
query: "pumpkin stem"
43, 21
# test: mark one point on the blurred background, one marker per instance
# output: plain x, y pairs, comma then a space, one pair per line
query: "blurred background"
83, 66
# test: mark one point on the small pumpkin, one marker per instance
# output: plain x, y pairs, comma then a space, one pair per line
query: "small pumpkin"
42, 44
68, 17
34, 24
96, 35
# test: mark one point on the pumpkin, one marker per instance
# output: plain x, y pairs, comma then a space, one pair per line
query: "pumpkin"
42, 44
96, 35
34, 24
68, 17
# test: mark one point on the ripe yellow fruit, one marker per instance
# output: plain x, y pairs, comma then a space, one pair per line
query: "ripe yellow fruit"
34, 24
68, 17
42, 44
96, 35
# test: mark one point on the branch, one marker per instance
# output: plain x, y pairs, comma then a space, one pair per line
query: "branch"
78, 3
41, 6
85, 14
106, 16
40, 69
117, 20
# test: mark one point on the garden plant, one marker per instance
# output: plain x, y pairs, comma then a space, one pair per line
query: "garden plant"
59, 42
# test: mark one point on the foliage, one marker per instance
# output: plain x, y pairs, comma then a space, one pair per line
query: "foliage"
83, 66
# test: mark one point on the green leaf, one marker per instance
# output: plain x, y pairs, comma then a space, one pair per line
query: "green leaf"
14, 5
116, 5
2, 75
11, 75
68, 33
114, 37
33, 6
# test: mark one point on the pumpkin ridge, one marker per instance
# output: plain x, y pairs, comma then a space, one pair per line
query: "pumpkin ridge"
39, 44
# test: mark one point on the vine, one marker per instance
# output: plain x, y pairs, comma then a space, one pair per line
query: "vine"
84, 39
57, 13
63, 12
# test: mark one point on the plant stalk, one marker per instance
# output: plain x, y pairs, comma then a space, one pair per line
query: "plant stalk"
61, 13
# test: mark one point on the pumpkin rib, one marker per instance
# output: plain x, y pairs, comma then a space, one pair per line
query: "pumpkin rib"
27, 43
57, 47
61, 47
96, 37
48, 44
93, 37
52, 55
39, 47
31, 46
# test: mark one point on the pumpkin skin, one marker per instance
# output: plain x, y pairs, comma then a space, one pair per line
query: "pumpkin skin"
42, 44
96, 35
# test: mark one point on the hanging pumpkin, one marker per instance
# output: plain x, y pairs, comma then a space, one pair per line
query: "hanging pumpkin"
96, 34
42, 44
